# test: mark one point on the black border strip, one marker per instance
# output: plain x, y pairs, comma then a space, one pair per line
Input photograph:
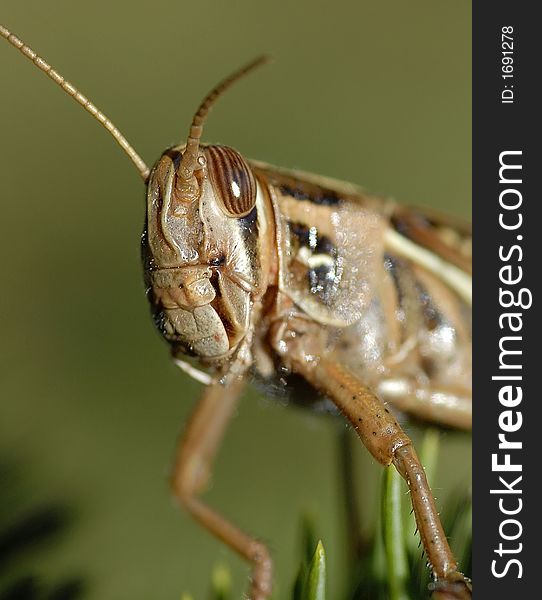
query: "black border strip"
501, 127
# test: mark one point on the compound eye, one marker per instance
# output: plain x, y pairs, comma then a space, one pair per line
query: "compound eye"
232, 179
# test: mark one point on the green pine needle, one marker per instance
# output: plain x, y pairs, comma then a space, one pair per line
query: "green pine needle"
393, 535
221, 583
315, 588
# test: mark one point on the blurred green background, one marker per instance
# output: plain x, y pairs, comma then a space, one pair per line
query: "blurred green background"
377, 93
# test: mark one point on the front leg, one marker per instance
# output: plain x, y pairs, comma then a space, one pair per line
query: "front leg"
382, 436
195, 457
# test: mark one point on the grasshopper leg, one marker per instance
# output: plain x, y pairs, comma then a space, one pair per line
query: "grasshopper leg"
389, 444
445, 405
195, 455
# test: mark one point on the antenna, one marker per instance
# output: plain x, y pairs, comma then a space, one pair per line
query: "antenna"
189, 161
80, 99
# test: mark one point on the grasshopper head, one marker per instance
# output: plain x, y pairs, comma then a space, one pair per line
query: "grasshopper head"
201, 244
201, 250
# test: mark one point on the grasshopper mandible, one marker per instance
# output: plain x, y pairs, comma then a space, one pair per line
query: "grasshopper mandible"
285, 276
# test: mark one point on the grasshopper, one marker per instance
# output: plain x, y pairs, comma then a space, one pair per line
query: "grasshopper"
294, 279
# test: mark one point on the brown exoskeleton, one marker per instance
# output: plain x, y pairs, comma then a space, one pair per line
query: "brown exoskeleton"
257, 271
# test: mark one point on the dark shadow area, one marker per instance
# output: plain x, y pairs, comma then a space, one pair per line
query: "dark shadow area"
30, 588
26, 534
